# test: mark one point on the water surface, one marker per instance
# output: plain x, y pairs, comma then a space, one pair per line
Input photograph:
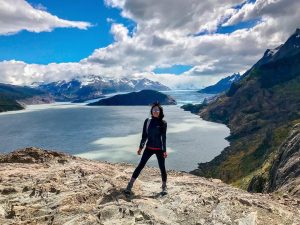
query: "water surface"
111, 133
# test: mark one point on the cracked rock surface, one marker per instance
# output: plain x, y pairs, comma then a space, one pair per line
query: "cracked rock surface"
46, 187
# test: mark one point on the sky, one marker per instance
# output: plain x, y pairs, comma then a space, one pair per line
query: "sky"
182, 44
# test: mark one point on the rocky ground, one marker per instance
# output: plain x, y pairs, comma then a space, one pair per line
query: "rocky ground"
45, 187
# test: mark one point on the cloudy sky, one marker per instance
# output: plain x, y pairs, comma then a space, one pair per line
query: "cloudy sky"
182, 44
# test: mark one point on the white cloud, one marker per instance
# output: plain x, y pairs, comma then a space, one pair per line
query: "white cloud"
40, 7
19, 15
119, 32
266, 9
165, 36
184, 81
10, 73
18, 72
190, 16
110, 20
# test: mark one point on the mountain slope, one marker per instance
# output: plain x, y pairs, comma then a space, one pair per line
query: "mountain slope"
13, 97
222, 85
8, 104
46, 187
260, 110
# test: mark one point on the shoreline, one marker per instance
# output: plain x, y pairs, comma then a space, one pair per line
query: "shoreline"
196, 109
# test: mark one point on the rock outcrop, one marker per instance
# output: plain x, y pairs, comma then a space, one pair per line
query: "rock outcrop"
45, 187
285, 172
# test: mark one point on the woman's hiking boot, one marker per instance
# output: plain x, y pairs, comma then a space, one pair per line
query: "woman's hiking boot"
127, 191
164, 189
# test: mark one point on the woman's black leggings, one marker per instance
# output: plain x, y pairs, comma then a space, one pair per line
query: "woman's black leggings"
161, 162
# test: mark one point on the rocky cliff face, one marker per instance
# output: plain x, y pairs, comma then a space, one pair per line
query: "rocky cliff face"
285, 172
46, 187
284, 175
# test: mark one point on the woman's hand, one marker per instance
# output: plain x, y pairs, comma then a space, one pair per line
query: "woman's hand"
165, 154
139, 151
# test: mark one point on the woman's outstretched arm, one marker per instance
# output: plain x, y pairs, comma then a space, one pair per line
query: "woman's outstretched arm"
144, 135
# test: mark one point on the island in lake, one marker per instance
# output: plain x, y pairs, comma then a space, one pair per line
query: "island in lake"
144, 97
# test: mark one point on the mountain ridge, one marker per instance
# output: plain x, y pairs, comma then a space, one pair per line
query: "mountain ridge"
222, 85
91, 87
260, 109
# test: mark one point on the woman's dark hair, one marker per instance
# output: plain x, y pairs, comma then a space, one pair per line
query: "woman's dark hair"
161, 110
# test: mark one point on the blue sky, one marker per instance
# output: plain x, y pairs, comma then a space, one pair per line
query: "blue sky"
64, 44
200, 41
175, 69
72, 44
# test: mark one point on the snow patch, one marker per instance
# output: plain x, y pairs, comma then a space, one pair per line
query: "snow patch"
232, 79
272, 52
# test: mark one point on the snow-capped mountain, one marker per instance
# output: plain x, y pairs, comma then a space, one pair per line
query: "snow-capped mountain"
222, 85
92, 86
287, 50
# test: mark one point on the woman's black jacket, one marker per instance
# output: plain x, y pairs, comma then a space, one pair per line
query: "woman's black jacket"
156, 134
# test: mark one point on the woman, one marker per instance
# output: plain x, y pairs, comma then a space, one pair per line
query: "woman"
154, 130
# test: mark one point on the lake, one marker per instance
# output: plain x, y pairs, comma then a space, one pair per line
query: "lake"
113, 133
